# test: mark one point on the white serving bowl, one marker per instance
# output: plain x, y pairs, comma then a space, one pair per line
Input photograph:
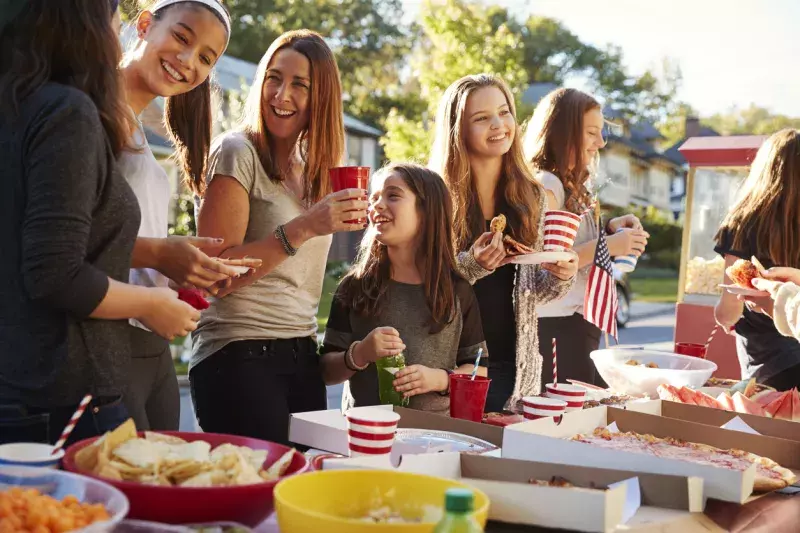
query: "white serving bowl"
30, 454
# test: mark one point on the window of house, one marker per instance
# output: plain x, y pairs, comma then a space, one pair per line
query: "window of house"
354, 149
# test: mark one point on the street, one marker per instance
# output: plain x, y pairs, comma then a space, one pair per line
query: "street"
651, 325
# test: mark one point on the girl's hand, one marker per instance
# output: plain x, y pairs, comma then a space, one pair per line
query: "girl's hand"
563, 270
168, 316
181, 260
489, 250
758, 304
418, 379
330, 214
627, 242
381, 342
782, 274
625, 221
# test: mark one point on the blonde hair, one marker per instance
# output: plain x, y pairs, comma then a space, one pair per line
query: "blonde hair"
321, 145
449, 157
769, 201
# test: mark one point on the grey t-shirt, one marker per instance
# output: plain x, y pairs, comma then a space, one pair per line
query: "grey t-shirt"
407, 311
283, 304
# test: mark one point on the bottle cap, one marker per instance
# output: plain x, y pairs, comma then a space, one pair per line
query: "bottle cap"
458, 500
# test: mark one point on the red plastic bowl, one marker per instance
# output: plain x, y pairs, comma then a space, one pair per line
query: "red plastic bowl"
247, 504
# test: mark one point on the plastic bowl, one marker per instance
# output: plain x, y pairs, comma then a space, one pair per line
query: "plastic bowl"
246, 504
30, 454
59, 484
335, 501
674, 369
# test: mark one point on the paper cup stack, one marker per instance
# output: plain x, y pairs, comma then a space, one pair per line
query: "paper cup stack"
560, 229
371, 431
536, 407
574, 396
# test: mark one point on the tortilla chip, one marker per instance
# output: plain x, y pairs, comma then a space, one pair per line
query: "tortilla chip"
279, 467
140, 453
255, 457
109, 472
86, 458
183, 471
198, 451
159, 437
123, 433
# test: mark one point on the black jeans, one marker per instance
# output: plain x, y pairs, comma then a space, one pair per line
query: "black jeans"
24, 423
250, 387
503, 375
153, 397
576, 339
787, 380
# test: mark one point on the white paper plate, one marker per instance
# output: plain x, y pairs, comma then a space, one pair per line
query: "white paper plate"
455, 442
541, 257
240, 270
735, 289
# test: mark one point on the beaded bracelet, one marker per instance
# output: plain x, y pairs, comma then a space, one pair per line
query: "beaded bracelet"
280, 234
349, 362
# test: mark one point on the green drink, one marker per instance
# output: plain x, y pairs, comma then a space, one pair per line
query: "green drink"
387, 367
458, 513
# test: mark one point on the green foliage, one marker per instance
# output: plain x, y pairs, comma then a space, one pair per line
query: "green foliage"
752, 120
184, 216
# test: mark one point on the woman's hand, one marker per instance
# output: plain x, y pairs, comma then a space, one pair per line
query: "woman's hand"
626, 221
336, 212
782, 274
419, 379
381, 342
489, 250
168, 316
627, 242
563, 270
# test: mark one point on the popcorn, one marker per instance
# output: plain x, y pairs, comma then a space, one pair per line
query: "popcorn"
704, 276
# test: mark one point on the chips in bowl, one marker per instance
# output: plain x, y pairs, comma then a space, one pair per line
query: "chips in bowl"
167, 460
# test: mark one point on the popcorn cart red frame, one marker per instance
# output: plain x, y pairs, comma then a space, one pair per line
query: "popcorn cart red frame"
717, 165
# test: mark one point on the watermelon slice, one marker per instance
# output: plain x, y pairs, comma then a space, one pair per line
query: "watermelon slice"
706, 401
725, 401
795, 405
785, 409
776, 404
743, 404
765, 397
687, 396
669, 393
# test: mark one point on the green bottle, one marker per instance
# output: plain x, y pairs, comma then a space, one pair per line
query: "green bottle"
387, 367
458, 506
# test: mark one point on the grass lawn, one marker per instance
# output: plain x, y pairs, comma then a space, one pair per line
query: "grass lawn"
655, 290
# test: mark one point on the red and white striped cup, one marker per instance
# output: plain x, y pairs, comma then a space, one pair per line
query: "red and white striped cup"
560, 229
370, 431
536, 407
573, 395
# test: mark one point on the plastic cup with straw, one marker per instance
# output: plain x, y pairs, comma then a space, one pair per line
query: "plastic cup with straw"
477, 362
73, 421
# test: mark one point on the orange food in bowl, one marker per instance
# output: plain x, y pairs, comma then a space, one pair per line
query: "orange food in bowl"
28, 510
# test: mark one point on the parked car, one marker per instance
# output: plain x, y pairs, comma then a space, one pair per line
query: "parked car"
623, 298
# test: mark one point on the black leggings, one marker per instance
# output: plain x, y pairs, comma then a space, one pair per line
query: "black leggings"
576, 339
250, 387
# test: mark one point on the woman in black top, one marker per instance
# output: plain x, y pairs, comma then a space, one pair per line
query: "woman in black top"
70, 223
764, 222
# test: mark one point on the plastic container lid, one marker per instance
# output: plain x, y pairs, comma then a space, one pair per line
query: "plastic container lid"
458, 500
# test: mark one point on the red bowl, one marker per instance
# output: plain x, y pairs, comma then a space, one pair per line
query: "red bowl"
247, 504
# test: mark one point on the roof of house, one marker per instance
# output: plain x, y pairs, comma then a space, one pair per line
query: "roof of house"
676, 157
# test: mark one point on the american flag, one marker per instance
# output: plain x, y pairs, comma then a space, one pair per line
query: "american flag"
600, 302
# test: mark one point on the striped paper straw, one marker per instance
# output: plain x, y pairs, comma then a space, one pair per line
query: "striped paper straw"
555, 364
714, 331
72, 422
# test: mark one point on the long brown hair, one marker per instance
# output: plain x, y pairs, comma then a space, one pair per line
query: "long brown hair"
769, 201
322, 144
554, 141
70, 42
521, 194
364, 288
188, 116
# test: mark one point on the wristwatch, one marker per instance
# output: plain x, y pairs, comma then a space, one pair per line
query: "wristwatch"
446, 392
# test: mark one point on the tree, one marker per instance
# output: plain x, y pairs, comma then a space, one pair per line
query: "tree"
753, 120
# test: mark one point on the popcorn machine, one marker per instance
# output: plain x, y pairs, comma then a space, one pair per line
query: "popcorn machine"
717, 166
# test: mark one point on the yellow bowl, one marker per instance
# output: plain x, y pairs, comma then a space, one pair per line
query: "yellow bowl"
335, 501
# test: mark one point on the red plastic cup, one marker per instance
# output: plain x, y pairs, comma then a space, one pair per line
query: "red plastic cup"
690, 348
349, 178
468, 396
560, 229
536, 407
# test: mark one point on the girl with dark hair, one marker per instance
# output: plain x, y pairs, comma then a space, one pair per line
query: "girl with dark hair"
404, 294
179, 42
267, 192
70, 222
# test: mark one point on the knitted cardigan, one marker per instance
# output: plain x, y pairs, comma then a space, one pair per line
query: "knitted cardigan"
532, 286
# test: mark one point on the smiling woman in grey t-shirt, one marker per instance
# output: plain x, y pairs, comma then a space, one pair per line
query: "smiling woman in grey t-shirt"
267, 193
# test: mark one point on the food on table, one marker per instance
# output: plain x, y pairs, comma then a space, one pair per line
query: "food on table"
634, 362
555, 481
769, 403
28, 510
742, 273
385, 515
166, 460
704, 277
748, 387
769, 474
220, 529
610, 401
502, 419
512, 246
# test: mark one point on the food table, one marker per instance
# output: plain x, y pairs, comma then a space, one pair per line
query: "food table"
717, 165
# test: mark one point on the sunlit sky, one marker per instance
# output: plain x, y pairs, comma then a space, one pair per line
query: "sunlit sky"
731, 52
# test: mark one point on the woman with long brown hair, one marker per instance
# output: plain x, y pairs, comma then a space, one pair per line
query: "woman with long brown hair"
178, 43
765, 223
478, 152
404, 294
268, 194
562, 143
71, 222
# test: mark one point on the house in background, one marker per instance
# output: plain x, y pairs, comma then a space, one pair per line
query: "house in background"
234, 75
632, 170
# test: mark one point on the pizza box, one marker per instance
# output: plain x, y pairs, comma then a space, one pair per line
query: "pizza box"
545, 440
516, 501
782, 429
327, 430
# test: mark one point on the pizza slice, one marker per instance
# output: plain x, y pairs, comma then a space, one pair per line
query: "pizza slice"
555, 481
